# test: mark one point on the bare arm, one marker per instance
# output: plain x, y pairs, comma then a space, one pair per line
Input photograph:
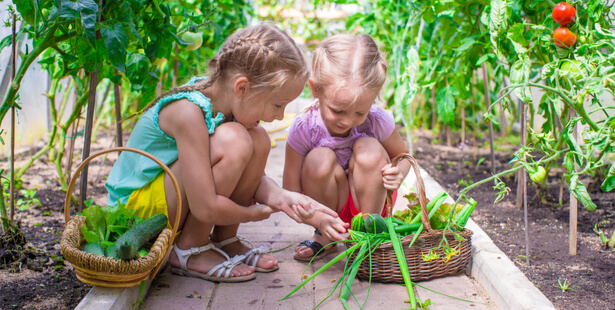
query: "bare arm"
183, 120
292, 170
393, 176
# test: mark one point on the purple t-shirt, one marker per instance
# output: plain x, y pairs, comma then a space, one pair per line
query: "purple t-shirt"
308, 131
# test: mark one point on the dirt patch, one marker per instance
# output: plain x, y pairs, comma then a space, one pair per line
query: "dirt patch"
589, 274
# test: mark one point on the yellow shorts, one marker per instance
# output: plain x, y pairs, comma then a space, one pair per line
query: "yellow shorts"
149, 199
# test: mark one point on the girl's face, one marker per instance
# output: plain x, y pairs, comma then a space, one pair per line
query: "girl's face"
267, 106
338, 111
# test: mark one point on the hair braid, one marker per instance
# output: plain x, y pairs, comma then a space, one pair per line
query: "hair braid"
264, 54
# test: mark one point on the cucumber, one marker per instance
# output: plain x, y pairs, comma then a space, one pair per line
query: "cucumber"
128, 244
357, 223
375, 224
94, 248
111, 252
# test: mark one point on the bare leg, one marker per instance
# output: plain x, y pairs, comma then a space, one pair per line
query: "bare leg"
365, 175
323, 179
227, 168
243, 194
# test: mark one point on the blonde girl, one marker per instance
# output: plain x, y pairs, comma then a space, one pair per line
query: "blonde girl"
339, 151
208, 132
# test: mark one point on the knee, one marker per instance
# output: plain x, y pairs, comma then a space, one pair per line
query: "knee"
261, 142
319, 162
368, 153
235, 137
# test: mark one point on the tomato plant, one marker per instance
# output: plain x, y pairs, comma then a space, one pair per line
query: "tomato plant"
564, 13
563, 37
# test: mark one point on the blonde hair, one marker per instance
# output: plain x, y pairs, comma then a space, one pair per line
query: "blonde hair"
347, 61
264, 54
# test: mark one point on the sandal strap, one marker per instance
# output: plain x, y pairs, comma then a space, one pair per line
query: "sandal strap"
230, 240
254, 254
183, 255
226, 266
314, 245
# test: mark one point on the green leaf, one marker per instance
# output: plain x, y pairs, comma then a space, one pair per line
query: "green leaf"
609, 182
95, 225
580, 193
137, 70
515, 35
466, 43
27, 10
86, 11
519, 74
497, 22
445, 104
116, 42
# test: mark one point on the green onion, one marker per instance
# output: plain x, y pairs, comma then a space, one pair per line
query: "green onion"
403, 265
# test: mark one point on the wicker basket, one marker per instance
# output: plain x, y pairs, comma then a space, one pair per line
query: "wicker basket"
384, 267
105, 271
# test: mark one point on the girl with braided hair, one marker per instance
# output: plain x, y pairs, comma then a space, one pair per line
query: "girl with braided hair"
208, 132
339, 151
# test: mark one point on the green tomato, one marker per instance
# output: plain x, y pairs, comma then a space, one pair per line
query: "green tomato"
573, 68
538, 175
194, 39
45, 13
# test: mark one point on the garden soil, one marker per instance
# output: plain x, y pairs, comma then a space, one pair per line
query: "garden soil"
42, 280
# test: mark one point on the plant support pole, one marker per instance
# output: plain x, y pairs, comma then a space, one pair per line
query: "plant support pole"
488, 100
12, 181
572, 233
89, 121
118, 113
522, 175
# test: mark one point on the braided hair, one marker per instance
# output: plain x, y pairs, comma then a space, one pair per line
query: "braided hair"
264, 54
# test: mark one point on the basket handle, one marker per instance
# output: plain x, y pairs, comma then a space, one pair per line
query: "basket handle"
420, 190
166, 169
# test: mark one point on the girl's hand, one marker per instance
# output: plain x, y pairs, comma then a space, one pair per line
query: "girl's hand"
392, 177
261, 212
332, 228
300, 207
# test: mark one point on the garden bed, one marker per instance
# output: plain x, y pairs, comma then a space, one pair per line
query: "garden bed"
589, 274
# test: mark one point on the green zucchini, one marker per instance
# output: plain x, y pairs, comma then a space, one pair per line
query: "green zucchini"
94, 248
128, 244
375, 224
357, 223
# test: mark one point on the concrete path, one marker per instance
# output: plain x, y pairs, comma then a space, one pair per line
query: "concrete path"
493, 281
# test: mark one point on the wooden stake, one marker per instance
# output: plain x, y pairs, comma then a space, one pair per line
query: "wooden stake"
463, 123
89, 120
522, 175
488, 101
12, 181
433, 108
572, 234
118, 113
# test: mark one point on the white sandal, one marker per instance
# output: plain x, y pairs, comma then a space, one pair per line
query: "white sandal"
251, 256
219, 273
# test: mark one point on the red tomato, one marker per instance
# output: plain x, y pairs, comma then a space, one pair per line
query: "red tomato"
563, 13
563, 37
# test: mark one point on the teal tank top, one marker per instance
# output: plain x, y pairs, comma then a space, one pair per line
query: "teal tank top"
132, 171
